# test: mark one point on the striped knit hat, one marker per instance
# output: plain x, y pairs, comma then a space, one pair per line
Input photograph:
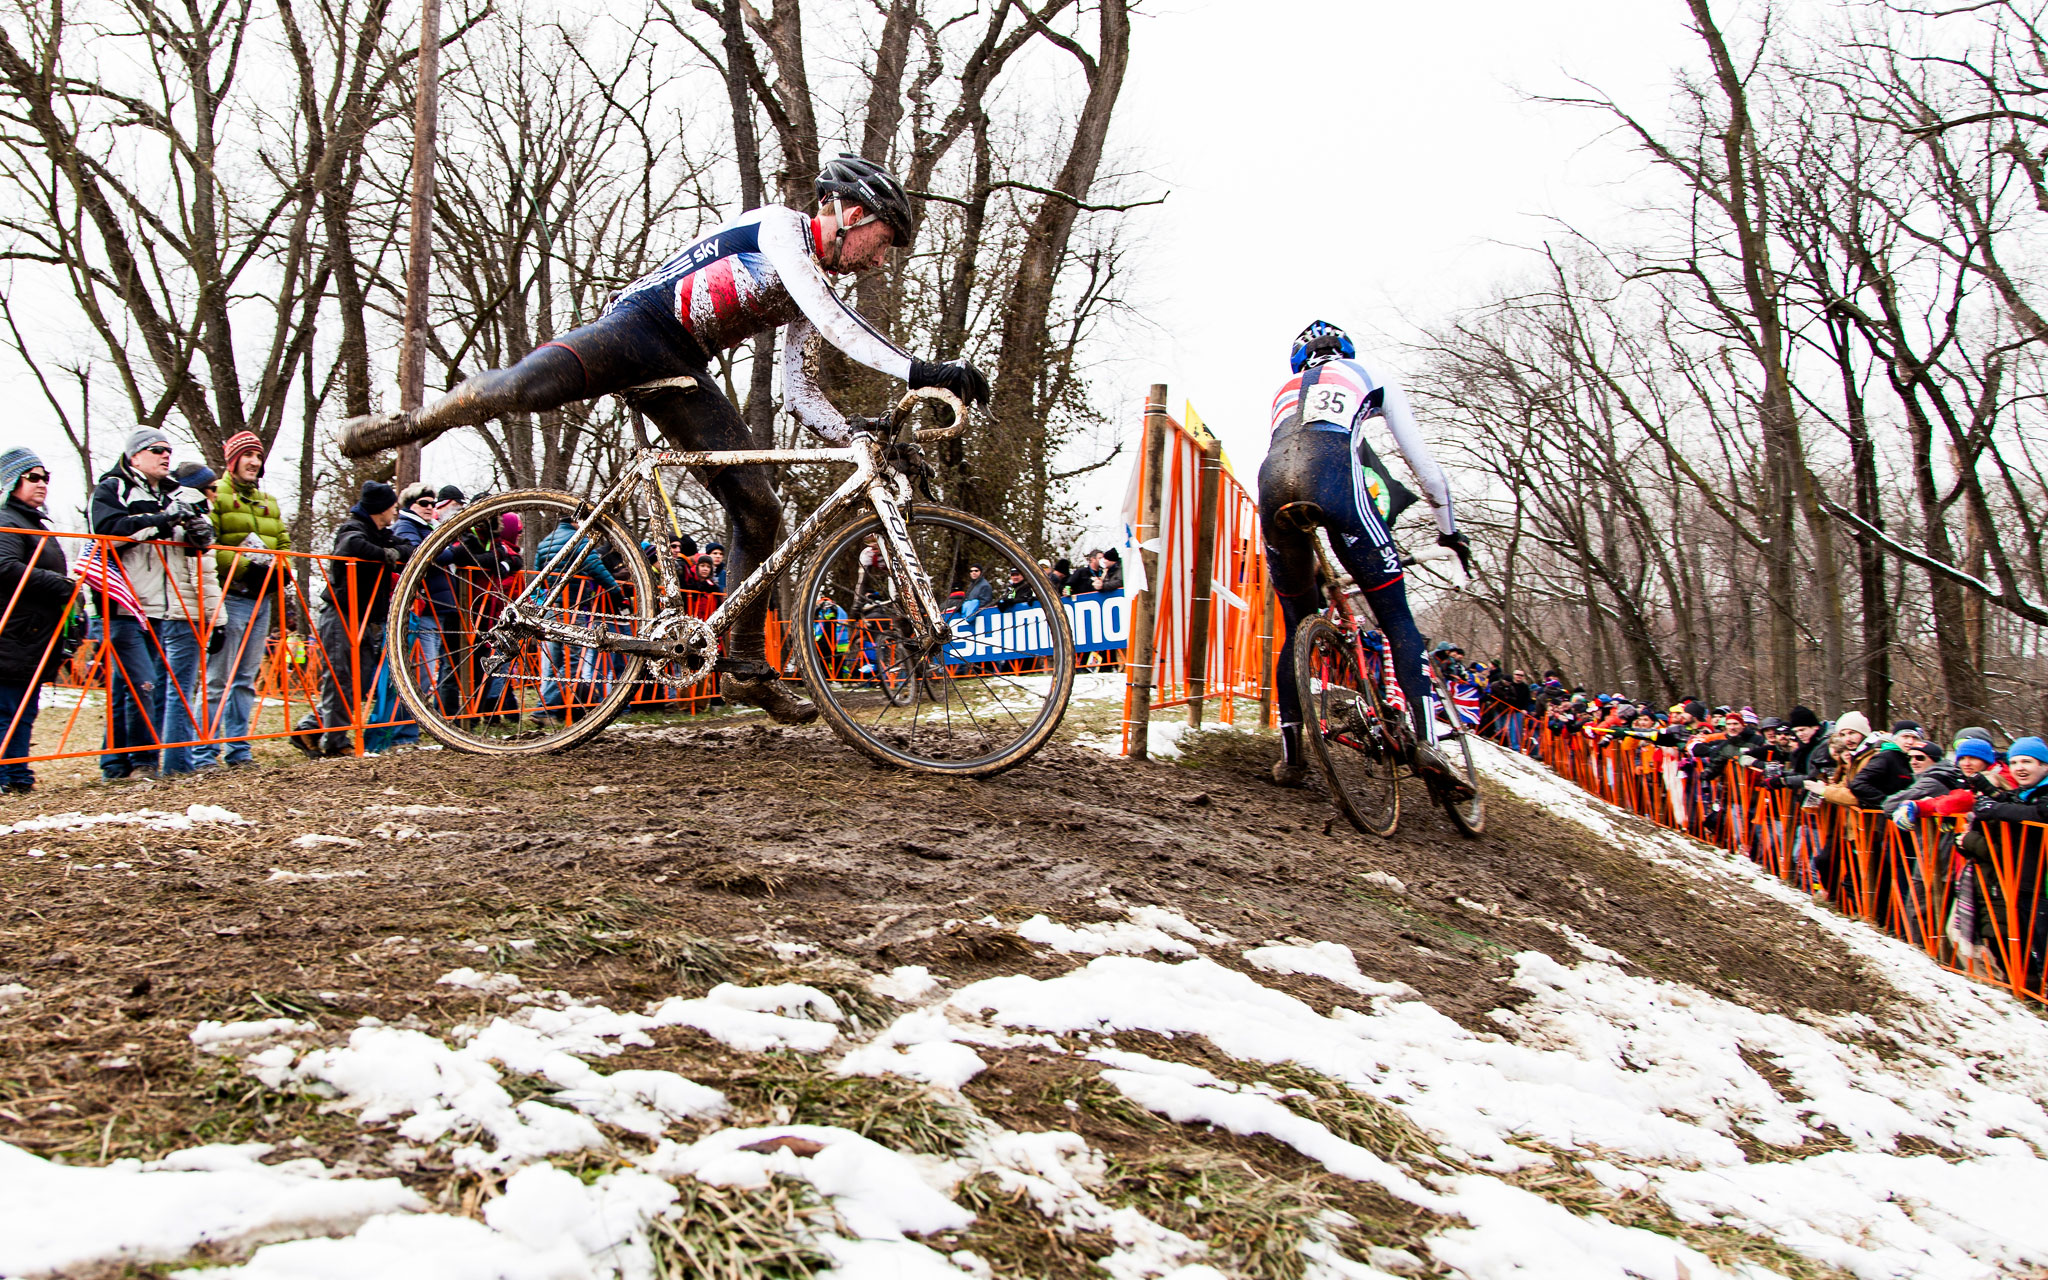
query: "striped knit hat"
240, 443
13, 465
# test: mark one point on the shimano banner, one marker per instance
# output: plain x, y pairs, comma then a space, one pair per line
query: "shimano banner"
1100, 620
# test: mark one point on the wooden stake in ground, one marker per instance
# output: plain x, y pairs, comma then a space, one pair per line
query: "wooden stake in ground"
1138, 665
412, 351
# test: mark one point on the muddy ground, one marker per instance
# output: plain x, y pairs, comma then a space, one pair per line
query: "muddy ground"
662, 858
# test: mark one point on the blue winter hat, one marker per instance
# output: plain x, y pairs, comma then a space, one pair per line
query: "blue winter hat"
1976, 749
2031, 747
14, 464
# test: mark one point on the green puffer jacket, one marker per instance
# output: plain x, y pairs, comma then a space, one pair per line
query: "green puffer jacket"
239, 510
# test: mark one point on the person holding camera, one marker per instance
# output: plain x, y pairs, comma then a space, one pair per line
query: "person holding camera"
161, 540
351, 619
35, 595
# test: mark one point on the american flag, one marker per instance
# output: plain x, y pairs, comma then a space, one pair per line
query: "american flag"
94, 571
1465, 696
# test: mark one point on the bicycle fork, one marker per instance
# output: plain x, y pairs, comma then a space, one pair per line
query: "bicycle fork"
930, 625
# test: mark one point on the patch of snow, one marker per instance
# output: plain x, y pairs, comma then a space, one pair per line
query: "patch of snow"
1385, 880
906, 983
209, 1034
1098, 939
879, 1194
278, 875
491, 984
60, 1219
1330, 960
420, 810
314, 839
156, 819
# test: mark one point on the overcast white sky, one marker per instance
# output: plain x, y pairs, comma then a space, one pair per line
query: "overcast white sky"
1371, 163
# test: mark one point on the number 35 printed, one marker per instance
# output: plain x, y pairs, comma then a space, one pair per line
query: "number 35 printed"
1327, 403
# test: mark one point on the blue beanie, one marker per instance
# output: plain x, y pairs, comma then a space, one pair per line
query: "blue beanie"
2031, 747
1976, 749
13, 465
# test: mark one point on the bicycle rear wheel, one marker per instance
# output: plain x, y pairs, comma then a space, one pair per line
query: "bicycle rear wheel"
1344, 724
481, 686
978, 703
1454, 743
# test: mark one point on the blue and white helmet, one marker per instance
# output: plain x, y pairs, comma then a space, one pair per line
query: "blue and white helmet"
1319, 342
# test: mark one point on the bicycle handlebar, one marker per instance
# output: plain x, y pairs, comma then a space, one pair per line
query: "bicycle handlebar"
930, 435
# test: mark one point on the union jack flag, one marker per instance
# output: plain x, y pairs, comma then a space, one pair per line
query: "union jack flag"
1465, 696
95, 571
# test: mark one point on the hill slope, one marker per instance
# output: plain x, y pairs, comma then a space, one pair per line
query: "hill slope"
726, 992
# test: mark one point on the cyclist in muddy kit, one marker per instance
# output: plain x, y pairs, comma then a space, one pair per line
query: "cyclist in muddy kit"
765, 268
1320, 469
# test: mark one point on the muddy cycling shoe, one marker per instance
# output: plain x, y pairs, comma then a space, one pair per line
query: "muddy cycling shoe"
1442, 778
376, 432
782, 706
1289, 773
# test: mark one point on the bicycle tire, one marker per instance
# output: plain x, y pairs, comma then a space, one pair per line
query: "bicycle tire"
461, 730
1344, 727
1469, 815
974, 719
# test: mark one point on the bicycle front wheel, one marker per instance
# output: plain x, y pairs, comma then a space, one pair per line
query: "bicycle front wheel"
1344, 725
481, 685
983, 699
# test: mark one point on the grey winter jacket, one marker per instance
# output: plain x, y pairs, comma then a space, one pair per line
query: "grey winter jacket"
171, 580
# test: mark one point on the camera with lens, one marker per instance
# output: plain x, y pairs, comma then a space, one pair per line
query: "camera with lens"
191, 524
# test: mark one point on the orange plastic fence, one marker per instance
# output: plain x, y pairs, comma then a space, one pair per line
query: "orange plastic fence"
1974, 904
1236, 666
293, 666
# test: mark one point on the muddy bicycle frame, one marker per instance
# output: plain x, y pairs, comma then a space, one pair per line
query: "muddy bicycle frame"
885, 489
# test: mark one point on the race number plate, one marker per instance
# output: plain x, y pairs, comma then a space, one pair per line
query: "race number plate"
1329, 402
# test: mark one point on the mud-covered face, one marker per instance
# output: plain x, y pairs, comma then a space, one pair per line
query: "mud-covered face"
859, 248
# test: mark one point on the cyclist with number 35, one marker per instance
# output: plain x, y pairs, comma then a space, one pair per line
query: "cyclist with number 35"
1321, 469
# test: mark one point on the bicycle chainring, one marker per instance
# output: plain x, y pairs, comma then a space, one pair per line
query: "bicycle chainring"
698, 644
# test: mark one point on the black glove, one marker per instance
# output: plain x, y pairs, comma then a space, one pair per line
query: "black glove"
1459, 543
217, 641
956, 376
1985, 808
399, 554
198, 533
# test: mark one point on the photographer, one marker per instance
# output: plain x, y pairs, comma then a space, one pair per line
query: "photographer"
156, 680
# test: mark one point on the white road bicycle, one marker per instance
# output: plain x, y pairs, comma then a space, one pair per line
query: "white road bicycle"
542, 660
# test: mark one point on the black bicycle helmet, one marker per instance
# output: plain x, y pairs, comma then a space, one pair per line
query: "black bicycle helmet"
869, 185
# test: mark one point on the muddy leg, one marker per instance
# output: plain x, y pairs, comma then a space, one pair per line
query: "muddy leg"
548, 378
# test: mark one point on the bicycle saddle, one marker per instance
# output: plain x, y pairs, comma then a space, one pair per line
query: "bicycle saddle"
1301, 516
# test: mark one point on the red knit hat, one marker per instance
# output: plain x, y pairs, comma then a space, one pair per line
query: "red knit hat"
240, 443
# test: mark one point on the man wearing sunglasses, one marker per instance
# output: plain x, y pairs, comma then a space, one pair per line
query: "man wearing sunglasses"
761, 270
162, 550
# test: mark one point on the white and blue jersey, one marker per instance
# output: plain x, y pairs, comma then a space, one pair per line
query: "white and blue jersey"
757, 272
1343, 396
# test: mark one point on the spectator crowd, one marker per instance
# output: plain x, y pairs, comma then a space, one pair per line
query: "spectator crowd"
1762, 782
188, 596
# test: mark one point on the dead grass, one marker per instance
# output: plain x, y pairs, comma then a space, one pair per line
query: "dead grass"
1566, 1184
1015, 1239
789, 1088
739, 1233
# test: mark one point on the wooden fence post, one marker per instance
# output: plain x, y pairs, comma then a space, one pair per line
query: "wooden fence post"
1139, 669
1203, 601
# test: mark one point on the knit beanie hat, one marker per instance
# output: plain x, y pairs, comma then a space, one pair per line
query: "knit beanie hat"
511, 525
376, 497
193, 475
414, 492
1981, 735
238, 444
14, 464
2031, 747
1976, 749
1802, 718
449, 493
1853, 720
142, 438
